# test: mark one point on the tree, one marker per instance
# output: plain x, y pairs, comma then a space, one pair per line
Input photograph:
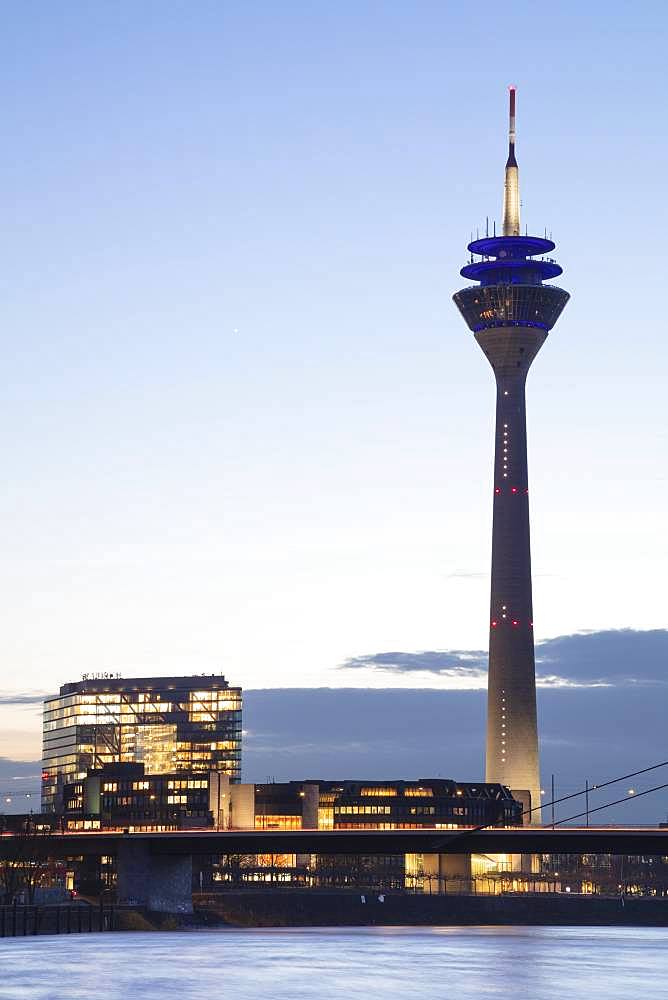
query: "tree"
24, 858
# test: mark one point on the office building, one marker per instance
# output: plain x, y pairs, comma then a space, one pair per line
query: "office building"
184, 727
376, 805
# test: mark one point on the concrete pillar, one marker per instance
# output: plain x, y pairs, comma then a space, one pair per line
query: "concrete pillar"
242, 814
447, 872
220, 802
161, 883
310, 804
92, 796
524, 796
455, 872
310, 798
432, 878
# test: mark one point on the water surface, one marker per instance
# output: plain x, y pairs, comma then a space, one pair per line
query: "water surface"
540, 963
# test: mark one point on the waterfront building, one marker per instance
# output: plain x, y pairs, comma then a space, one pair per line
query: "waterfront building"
127, 796
380, 805
181, 727
510, 310
440, 803
395, 804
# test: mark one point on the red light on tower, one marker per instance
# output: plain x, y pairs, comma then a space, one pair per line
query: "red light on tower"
515, 622
513, 489
494, 623
497, 490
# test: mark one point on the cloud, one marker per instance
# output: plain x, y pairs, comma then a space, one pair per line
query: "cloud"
19, 769
454, 664
615, 657
22, 697
465, 575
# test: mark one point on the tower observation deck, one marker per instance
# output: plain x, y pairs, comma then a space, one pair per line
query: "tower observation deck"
510, 311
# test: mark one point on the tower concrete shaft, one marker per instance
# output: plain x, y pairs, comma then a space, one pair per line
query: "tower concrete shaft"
510, 312
512, 728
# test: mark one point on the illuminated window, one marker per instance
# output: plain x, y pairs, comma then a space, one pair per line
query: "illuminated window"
274, 822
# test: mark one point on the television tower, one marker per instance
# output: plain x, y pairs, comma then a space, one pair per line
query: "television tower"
510, 312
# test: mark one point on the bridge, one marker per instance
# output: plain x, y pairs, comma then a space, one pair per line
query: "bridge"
155, 869
425, 840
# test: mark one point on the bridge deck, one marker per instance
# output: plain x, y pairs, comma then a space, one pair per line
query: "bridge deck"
517, 840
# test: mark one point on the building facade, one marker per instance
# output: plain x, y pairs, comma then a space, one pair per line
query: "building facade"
126, 796
510, 311
380, 805
181, 727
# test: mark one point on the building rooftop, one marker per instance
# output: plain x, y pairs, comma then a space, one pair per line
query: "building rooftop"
113, 682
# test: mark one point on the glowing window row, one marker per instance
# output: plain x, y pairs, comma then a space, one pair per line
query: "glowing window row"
364, 810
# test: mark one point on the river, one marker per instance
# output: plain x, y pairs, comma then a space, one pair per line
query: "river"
536, 963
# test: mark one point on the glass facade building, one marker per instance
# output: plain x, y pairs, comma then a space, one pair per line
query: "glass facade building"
170, 725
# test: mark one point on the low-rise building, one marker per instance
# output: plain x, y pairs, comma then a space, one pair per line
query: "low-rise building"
125, 795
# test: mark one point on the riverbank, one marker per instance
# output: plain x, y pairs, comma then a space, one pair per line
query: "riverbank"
303, 908
300, 908
29, 920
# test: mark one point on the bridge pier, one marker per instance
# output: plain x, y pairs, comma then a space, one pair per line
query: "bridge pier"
161, 883
452, 869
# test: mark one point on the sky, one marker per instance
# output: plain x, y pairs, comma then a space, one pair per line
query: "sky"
243, 426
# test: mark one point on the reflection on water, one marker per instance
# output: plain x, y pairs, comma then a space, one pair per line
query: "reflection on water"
540, 963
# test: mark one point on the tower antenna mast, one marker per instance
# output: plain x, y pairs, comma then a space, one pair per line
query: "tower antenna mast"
511, 187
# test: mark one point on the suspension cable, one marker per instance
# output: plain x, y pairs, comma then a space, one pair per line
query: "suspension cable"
592, 788
608, 805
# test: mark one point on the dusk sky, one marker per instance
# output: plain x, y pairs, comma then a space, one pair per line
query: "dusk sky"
243, 426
